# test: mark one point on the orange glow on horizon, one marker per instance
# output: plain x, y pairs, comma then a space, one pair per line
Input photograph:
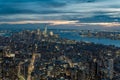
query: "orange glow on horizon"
65, 22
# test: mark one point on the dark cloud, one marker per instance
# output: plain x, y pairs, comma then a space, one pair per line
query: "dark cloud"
47, 1
29, 6
82, 10
78, 1
98, 18
23, 1
11, 10
44, 3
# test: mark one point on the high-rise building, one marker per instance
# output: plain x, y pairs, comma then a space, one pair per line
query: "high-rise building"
45, 32
51, 33
38, 31
110, 68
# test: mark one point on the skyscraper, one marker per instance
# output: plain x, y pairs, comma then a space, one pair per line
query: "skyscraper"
45, 32
110, 68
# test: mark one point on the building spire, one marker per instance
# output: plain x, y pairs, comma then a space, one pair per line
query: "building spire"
45, 30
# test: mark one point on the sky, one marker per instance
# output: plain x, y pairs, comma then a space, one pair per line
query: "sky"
102, 13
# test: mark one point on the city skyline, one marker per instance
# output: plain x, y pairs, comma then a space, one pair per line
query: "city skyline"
77, 13
59, 39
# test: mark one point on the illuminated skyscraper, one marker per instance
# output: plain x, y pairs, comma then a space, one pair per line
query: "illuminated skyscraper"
45, 32
38, 31
51, 33
110, 68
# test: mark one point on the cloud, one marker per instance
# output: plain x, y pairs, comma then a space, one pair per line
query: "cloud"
61, 12
66, 23
103, 24
8, 7
100, 18
51, 22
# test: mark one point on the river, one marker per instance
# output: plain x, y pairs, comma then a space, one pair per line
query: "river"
77, 37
